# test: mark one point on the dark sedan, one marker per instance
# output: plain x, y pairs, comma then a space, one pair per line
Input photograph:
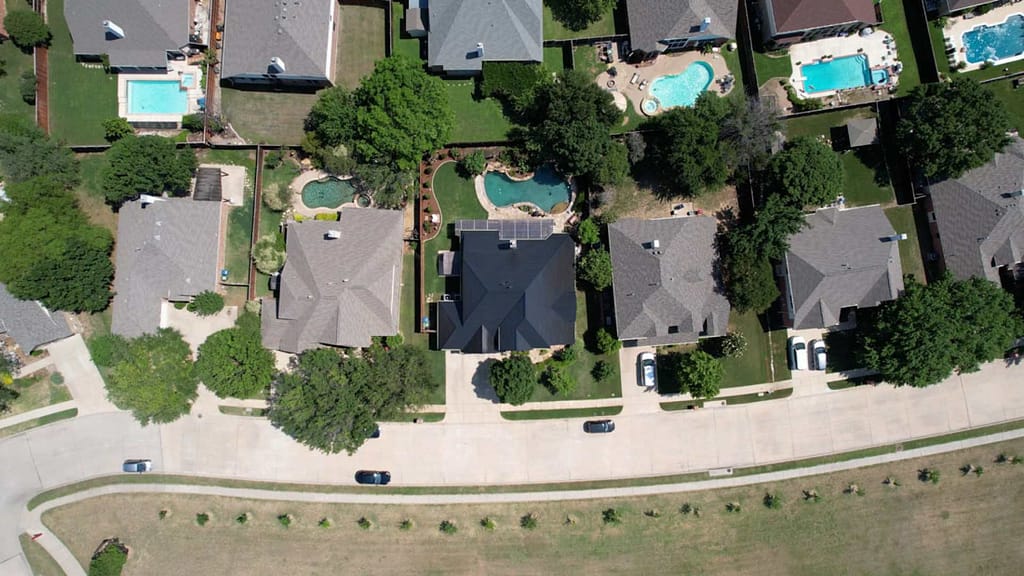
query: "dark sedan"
377, 477
598, 426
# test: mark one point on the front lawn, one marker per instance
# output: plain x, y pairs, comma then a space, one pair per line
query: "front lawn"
80, 98
775, 65
895, 18
457, 198
475, 120
37, 391
267, 117
360, 43
554, 30
903, 221
754, 366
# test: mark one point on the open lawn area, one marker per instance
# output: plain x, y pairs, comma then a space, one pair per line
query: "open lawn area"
15, 62
964, 524
361, 42
80, 98
90, 193
475, 120
267, 117
403, 44
1012, 99
772, 65
554, 30
37, 391
902, 219
554, 58
236, 249
457, 198
407, 321
895, 22
39, 559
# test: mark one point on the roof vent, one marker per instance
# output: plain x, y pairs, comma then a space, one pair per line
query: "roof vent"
655, 244
513, 244
479, 49
277, 65
895, 237
113, 30
1017, 193
705, 24
332, 235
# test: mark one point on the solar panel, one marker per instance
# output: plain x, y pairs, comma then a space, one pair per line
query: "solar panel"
520, 229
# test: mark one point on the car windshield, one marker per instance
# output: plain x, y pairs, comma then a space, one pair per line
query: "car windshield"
799, 346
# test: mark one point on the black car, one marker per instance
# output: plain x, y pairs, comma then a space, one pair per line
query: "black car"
598, 426
378, 477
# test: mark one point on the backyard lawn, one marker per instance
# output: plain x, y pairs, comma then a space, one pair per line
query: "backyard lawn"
15, 62
554, 30
361, 43
403, 44
267, 117
236, 249
475, 120
902, 219
80, 98
1013, 101
895, 18
90, 193
775, 65
554, 58
457, 198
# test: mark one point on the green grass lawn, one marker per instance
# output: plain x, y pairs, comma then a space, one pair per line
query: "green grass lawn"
519, 415
768, 66
554, 58
554, 30
360, 43
1013, 101
280, 176
902, 219
407, 321
938, 46
732, 61
403, 44
37, 422
896, 24
475, 120
457, 198
90, 193
80, 98
753, 367
15, 62
248, 112
39, 559
231, 157
236, 249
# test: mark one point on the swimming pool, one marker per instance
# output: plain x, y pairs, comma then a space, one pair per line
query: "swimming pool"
546, 189
326, 193
995, 43
841, 74
681, 89
188, 80
156, 97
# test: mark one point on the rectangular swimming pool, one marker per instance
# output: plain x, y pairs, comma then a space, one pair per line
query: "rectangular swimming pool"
840, 74
156, 97
996, 43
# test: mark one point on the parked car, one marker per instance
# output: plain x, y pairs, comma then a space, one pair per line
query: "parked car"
646, 371
798, 353
137, 465
818, 353
598, 426
378, 477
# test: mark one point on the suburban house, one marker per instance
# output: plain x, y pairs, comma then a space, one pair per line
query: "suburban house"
786, 22
659, 26
946, 7
462, 34
134, 35
29, 323
341, 284
978, 218
842, 260
664, 280
279, 44
517, 289
167, 249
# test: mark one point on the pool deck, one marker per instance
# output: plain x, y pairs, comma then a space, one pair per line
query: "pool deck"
300, 181
955, 28
880, 55
175, 71
513, 212
665, 65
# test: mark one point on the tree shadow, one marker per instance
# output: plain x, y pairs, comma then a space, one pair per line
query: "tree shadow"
482, 382
872, 157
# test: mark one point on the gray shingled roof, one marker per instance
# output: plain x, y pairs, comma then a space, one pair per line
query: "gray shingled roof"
510, 30
167, 250
651, 21
151, 28
841, 259
338, 292
981, 226
299, 32
674, 285
29, 323
862, 132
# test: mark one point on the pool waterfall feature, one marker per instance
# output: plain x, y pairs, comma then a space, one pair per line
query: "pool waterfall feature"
545, 190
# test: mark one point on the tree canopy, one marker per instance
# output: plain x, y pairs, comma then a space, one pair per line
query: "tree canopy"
749, 133
684, 149
50, 252
514, 378
233, 362
116, 128
807, 173
701, 374
595, 268
332, 401
578, 14
930, 331
146, 165
951, 127
27, 29
26, 152
156, 380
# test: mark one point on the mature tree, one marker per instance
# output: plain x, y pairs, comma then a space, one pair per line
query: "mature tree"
701, 374
472, 164
606, 342
588, 232
26, 152
513, 82
7, 395
930, 331
206, 303
233, 362
774, 224
749, 133
514, 378
807, 173
332, 117
615, 168
331, 401
389, 187
50, 252
146, 165
157, 381
595, 269
684, 147
749, 281
26, 29
117, 128
558, 379
951, 127
569, 122
578, 14
269, 253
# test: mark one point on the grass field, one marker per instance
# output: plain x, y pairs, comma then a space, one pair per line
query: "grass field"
249, 113
902, 219
15, 62
80, 98
964, 524
770, 66
407, 320
457, 198
36, 392
519, 415
475, 120
360, 43
895, 17
554, 30
1013, 101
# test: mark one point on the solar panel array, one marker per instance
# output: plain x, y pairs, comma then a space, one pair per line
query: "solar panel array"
522, 229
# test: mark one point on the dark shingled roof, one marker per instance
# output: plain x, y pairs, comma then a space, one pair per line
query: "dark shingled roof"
512, 298
674, 285
208, 185
842, 258
510, 30
797, 15
151, 28
338, 292
29, 323
862, 132
651, 21
981, 224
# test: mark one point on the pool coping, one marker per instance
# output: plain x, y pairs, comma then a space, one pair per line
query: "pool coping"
879, 54
300, 181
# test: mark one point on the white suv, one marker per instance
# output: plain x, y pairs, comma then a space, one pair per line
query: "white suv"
797, 353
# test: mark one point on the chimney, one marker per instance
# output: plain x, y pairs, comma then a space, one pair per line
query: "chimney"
479, 49
113, 29
277, 65
705, 24
655, 244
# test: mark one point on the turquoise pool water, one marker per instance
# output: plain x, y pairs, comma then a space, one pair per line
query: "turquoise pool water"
995, 43
156, 97
841, 74
329, 193
188, 80
684, 88
545, 189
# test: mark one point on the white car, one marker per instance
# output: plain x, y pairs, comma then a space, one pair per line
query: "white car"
646, 371
798, 353
818, 353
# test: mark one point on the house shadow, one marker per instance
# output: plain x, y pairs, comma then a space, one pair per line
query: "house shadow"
482, 382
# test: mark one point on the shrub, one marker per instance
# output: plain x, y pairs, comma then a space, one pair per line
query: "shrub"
206, 303
109, 560
326, 217
26, 29
734, 344
277, 197
57, 378
405, 525
928, 475
269, 253
108, 350
116, 128
588, 232
253, 306
605, 342
513, 82
652, 513
285, 520
487, 523
448, 527
568, 354
242, 518
514, 378
393, 341
772, 501
192, 122
364, 523
163, 514
558, 379
324, 522
528, 522
28, 87
611, 516
473, 164
202, 518
602, 370
274, 158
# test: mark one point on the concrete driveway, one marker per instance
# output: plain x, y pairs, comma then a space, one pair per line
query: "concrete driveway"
195, 329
